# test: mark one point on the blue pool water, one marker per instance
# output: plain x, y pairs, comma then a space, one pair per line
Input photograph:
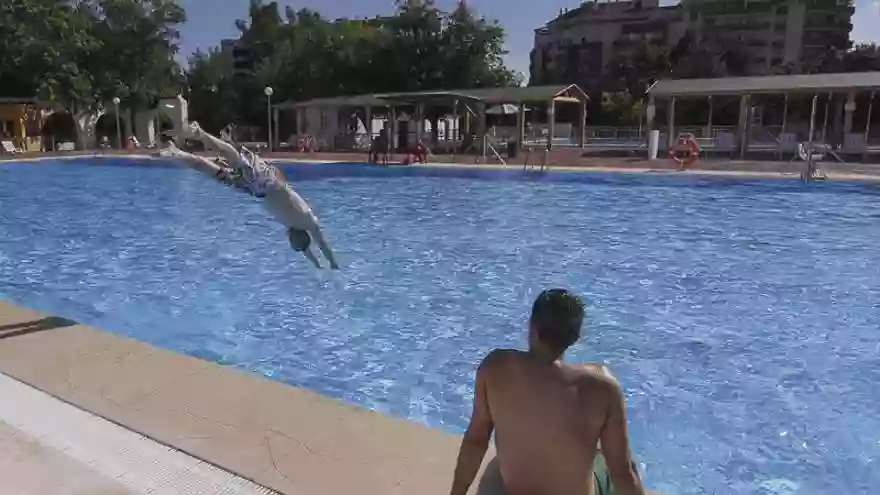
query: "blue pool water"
742, 318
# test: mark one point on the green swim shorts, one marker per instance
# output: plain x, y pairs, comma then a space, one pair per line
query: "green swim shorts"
493, 484
602, 478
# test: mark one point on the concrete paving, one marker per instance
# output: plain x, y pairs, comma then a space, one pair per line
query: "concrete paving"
290, 440
29, 467
48, 446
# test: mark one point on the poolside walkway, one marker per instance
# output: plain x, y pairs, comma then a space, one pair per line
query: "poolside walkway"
290, 440
49, 447
567, 161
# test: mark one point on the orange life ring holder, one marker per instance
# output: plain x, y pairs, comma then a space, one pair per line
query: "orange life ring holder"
686, 151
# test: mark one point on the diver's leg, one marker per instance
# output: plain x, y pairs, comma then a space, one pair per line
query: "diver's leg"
214, 143
192, 161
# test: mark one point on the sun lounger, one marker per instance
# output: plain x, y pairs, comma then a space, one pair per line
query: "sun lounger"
9, 147
788, 143
854, 144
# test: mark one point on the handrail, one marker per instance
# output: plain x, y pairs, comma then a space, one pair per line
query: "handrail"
488, 145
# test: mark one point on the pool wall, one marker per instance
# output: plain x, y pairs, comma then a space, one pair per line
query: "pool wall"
299, 171
287, 439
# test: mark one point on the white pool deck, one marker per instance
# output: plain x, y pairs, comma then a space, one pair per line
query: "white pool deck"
83, 411
48, 446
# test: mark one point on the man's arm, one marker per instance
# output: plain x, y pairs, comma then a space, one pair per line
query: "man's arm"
476, 438
318, 236
311, 257
615, 445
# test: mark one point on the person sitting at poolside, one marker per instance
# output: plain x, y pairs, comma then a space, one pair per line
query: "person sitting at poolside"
249, 173
548, 416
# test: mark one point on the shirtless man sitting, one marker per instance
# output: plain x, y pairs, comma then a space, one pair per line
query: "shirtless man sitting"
548, 416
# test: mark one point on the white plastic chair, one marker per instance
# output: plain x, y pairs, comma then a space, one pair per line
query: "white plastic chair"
802, 153
9, 147
788, 143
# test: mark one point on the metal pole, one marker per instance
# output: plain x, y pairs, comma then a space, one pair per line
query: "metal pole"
825, 119
455, 129
808, 175
784, 123
269, 119
118, 128
709, 125
868, 124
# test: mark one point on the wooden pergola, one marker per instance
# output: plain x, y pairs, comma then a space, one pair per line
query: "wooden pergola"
848, 83
473, 102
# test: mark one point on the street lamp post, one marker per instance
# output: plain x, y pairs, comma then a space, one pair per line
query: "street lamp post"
118, 128
269, 92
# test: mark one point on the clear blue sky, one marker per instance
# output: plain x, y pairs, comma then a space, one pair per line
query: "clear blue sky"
209, 22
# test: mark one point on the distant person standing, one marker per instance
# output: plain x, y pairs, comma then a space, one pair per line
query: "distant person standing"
379, 146
548, 416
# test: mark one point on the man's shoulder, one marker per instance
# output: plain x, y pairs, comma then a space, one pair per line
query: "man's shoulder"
499, 357
594, 375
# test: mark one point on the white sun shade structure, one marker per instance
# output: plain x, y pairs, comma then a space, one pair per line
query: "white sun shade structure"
848, 83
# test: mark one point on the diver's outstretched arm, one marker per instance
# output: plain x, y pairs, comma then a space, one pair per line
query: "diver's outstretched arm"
212, 142
311, 257
324, 247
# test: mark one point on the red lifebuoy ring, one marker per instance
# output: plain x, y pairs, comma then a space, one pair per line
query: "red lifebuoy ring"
686, 151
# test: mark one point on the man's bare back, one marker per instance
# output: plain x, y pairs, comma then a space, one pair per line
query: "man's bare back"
548, 417
548, 421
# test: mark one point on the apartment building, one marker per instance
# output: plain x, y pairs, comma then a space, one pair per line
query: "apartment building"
773, 32
577, 45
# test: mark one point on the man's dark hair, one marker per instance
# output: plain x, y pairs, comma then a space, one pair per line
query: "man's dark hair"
557, 316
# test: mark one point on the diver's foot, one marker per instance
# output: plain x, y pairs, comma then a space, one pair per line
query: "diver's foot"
168, 149
195, 130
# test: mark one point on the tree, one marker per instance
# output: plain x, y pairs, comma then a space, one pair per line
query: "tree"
210, 92
621, 108
138, 41
46, 46
474, 52
636, 70
301, 56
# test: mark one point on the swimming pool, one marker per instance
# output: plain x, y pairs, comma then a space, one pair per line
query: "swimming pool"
741, 317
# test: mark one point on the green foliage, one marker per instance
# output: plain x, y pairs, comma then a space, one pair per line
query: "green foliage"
80, 54
83, 53
211, 92
45, 46
621, 108
301, 55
